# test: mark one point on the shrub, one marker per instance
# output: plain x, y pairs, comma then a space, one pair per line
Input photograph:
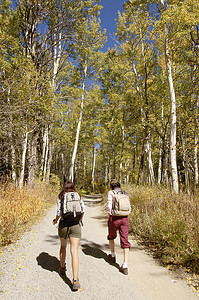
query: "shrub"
169, 223
21, 206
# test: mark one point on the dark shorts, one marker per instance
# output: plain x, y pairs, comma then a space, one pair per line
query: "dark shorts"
121, 224
65, 232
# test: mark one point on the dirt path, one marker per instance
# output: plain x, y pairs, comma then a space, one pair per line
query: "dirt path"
28, 269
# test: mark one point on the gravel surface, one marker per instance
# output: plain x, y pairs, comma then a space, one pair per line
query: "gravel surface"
28, 268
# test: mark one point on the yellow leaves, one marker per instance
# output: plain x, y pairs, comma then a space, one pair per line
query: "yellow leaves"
19, 206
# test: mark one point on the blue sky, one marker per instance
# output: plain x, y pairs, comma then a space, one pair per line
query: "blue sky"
108, 15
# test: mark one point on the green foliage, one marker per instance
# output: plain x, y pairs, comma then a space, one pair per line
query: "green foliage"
126, 95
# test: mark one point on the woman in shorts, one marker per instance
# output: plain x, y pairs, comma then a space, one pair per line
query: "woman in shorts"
69, 229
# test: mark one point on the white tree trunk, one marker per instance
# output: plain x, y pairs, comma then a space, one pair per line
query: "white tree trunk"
149, 159
56, 58
23, 160
174, 171
160, 149
71, 171
196, 131
63, 164
50, 156
84, 166
196, 145
13, 157
121, 158
166, 163
44, 150
126, 179
106, 174
93, 168
46, 158
32, 160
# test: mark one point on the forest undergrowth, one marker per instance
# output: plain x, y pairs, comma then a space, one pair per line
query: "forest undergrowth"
20, 208
167, 223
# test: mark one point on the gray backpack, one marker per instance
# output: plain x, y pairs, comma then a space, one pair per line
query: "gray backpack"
71, 207
122, 204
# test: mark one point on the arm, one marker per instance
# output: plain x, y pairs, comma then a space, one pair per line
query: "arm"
110, 202
83, 209
58, 211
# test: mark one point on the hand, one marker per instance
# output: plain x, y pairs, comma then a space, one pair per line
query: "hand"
54, 221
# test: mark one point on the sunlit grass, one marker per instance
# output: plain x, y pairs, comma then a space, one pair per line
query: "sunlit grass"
22, 206
168, 223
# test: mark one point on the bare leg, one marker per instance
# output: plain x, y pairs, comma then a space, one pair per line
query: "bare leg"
62, 253
112, 246
74, 245
125, 254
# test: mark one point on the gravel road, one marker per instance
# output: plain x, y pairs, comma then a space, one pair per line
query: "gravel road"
28, 268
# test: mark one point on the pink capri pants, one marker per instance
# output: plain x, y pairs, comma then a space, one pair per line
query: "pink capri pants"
121, 224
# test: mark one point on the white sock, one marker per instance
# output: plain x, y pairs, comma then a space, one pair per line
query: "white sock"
113, 254
125, 265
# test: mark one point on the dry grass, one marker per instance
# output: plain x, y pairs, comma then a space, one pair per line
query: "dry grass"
168, 223
22, 206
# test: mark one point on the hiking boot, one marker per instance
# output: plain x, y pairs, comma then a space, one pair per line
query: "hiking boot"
111, 259
62, 271
124, 270
76, 285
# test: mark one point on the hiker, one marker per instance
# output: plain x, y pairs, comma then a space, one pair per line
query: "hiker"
118, 221
69, 227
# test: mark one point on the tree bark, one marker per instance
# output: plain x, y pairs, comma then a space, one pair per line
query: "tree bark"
71, 171
149, 159
44, 150
196, 143
23, 160
46, 157
32, 160
196, 125
122, 153
50, 156
93, 168
174, 171
160, 148
141, 165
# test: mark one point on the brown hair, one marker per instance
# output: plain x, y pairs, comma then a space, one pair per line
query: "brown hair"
115, 185
67, 187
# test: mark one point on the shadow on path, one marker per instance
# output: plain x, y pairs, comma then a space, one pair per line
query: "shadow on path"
102, 219
95, 250
51, 263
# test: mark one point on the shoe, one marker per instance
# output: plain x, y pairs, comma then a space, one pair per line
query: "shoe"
76, 285
111, 259
124, 270
62, 271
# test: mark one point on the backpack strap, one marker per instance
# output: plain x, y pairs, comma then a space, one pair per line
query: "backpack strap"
117, 192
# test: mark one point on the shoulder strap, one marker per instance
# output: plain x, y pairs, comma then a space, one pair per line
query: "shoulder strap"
117, 192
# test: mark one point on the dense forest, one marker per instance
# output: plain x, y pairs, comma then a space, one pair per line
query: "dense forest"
69, 108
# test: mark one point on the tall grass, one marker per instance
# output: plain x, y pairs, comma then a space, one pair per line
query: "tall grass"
168, 223
22, 206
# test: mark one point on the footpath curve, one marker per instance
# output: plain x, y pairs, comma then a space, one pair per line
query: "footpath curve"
28, 268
